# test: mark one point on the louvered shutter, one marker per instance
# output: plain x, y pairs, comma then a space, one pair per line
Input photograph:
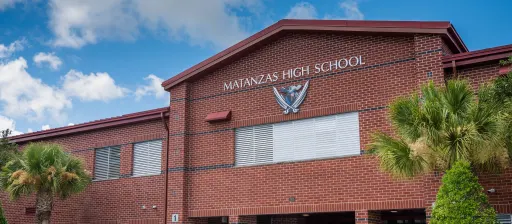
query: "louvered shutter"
147, 158
101, 164
505, 218
314, 138
347, 131
254, 145
107, 163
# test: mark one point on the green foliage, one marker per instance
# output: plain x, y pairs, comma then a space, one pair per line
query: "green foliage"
460, 199
44, 167
447, 124
7, 150
3, 220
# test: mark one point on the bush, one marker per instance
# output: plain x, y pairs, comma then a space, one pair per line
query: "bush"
461, 200
2, 217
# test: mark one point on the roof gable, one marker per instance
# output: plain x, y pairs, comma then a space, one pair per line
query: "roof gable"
445, 29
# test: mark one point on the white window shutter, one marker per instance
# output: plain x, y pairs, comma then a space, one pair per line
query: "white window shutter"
101, 164
347, 126
314, 138
244, 144
147, 158
107, 163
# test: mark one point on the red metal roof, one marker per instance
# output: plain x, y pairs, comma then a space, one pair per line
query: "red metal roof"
445, 29
102, 123
480, 56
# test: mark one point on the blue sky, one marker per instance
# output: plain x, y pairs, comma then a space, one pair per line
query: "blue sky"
71, 61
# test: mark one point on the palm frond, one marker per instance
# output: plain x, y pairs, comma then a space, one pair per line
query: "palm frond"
405, 115
397, 157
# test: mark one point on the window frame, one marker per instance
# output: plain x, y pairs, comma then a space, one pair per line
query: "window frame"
109, 149
236, 165
160, 155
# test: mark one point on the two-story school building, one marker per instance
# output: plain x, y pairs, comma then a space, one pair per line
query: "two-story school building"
273, 130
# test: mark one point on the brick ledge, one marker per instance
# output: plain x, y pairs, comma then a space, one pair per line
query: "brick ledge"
311, 208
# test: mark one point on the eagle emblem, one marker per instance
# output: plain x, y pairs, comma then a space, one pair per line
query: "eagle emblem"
290, 98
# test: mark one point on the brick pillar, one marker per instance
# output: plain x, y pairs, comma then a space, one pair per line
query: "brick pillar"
429, 54
177, 183
368, 217
242, 219
126, 169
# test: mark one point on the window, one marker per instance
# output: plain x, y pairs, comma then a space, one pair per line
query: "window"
314, 138
147, 158
504, 218
107, 162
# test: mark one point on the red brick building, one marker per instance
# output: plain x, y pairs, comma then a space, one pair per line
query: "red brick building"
273, 130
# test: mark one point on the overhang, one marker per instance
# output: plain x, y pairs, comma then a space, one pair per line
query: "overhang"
487, 55
445, 29
93, 125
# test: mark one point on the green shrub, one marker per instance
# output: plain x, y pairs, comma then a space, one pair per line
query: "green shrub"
2, 217
461, 200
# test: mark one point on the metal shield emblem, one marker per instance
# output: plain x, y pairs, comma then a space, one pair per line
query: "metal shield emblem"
291, 97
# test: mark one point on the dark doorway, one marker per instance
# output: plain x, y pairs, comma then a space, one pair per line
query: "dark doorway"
412, 216
315, 218
331, 218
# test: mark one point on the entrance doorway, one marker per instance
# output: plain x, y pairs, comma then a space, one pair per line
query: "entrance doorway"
412, 216
314, 218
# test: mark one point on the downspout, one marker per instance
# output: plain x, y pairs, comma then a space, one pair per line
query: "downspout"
166, 187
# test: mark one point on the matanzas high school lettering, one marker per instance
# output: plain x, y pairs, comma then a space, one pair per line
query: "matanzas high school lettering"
273, 130
298, 72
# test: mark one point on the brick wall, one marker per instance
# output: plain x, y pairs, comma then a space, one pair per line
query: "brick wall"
395, 66
109, 201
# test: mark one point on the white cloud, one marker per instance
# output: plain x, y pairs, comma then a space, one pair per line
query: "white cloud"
302, 10
7, 123
30, 130
7, 51
154, 87
8, 3
22, 95
45, 127
53, 61
76, 23
70, 124
350, 10
305, 10
95, 86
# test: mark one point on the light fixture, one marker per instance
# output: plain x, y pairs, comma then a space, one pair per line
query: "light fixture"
154, 207
394, 211
492, 190
143, 207
305, 215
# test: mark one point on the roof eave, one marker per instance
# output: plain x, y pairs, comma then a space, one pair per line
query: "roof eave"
91, 126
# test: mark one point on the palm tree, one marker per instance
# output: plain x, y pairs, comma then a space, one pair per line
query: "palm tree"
46, 170
445, 125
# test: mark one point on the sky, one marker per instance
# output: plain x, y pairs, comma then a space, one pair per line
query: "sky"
64, 62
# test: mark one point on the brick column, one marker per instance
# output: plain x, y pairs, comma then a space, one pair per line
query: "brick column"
429, 54
126, 169
242, 219
177, 183
368, 217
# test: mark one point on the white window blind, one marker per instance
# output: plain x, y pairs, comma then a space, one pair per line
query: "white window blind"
314, 138
504, 218
107, 163
147, 158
